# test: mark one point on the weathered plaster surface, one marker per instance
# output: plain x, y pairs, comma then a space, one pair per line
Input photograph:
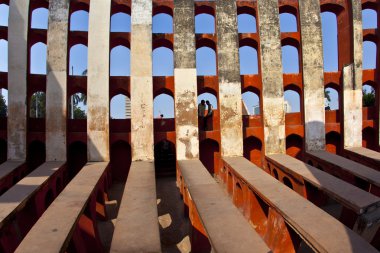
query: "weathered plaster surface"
185, 79
229, 79
56, 106
352, 109
141, 81
17, 70
312, 55
98, 81
272, 78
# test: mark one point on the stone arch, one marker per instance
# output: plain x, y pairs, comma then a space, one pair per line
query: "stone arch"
121, 22
40, 18
121, 157
162, 23
369, 17
38, 54
79, 21
253, 150
204, 23
37, 105
333, 142
77, 106
209, 154
4, 8
36, 154
369, 140
330, 41
333, 93
288, 22
117, 103
369, 55
251, 103
246, 23
76, 157
78, 60
163, 105
163, 62
294, 146
206, 61
248, 60
287, 182
165, 158
290, 59
120, 61
293, 100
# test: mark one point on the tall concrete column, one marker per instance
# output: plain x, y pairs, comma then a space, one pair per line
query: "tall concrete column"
185, 79
56, 106
17, 72
98, 81
230, 99
313, 79
272, 78
141, 81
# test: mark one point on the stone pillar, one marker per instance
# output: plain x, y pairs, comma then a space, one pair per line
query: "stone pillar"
313, 79
17, 73
141, 81
185, 78
56, 95
230, 98
272, 78
98, 81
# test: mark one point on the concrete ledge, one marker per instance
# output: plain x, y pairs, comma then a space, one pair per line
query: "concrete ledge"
225, 226
136, 228
8, 167
53, 230
319, 230
364, 156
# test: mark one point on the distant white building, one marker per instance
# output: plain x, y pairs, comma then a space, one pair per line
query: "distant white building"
256, 110
127, 108
287, 108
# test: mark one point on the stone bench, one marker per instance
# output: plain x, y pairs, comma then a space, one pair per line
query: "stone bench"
54, 230
320, 231
212, 213
10, 173
364, 205
136, 228
352, 172
364, 156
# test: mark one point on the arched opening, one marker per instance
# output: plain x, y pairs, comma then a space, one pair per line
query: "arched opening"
209, 155
369, 96
38, 105
210, 103
78, 60
163, 107
287, 182
121, 158
246, 23
120, 61
288, 23
330, 41
165, 158
331, 99
38, 54
290, 60
40, 18
206, 61
294, 144
78, 106
248, 61
253, 150
121, 22
120, 107
4, 11
3, 151
3, 56
369, 140
369, 55
76, 157
333, 142
369, 18
238, 196
49, 197
35, 154
251, 103
3, 103
163, 62
204, 23
162, 23
275, 174
79, 21
292, 101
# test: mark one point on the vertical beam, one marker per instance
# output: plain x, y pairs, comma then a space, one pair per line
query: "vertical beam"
185, 79
313, 79
272, 78
141, 81
98, 80
56, 106
17, 72
230, 99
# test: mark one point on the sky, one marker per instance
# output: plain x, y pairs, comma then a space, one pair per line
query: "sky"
205, 57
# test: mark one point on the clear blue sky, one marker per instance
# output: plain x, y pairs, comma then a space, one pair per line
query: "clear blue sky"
206, 65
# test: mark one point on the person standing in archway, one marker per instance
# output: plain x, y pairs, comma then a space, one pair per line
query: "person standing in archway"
201, 112
210, 111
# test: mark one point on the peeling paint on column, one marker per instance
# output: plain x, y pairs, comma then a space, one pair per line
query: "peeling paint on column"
17, 72
98, 81
56, 105
272, 78
141, 81
185, 79
313, 80
230, 99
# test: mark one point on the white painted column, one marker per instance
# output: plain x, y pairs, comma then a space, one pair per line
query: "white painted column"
56, 85
185, 79
141, 81
17, 73
313, 79
98, 81
230, 98
272, 78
